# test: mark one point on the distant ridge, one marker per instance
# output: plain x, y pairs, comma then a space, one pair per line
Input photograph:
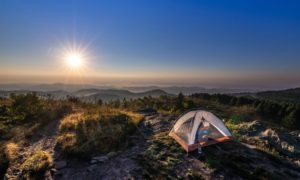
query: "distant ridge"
187, 90
113, 94
92, 94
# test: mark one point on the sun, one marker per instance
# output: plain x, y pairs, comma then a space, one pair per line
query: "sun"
74, 58
74, 61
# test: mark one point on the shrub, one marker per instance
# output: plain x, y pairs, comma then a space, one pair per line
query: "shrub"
236, 118
85, 134
27, 106
67, 142
35, 166
292, 120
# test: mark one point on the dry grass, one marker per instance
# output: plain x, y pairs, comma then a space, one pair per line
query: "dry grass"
35, 166
67, 141
97, 130
71, 122
11, 151
135, 118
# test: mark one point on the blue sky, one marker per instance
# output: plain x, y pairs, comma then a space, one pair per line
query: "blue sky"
194, 41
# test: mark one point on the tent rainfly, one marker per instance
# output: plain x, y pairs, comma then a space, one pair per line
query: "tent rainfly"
199, 128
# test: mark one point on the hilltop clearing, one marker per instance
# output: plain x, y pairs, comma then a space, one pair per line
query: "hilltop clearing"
55, 139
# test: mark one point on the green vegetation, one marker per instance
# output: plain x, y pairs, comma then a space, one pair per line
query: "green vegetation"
289, 95
28, 112
35, 166
100, 131
162, 157
230, 107
20, 117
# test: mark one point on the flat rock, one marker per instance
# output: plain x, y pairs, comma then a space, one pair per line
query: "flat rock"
93, 161
60, 164
53, 170
92, 167
111, 154
100, 159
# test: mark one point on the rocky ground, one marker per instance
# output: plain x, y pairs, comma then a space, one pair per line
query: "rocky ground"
114, 165
44, 139
258, 152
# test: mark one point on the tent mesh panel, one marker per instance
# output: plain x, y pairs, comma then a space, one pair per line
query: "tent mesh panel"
207, 133
184, 130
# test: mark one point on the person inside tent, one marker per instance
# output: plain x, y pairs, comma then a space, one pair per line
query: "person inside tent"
202, 134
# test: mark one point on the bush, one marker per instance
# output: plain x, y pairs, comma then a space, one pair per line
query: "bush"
236, 118
85, 134
26, 107
292, 120
35, 166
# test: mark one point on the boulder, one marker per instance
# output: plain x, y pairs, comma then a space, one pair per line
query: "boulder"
253, 128
287, 147
271, 134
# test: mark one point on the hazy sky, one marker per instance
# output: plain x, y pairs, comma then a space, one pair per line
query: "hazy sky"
211, 43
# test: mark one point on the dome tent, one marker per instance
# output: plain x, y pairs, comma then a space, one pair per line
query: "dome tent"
198, 128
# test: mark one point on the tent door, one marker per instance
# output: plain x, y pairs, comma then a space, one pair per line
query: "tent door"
207, 132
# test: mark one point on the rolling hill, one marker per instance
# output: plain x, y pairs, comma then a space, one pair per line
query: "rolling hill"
92, 94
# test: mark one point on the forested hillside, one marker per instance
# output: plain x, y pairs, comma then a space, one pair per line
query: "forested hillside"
289, 95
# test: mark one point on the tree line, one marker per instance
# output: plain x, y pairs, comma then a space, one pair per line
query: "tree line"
282, 113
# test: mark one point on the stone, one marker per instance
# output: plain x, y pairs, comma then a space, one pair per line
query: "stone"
60, 164
58, 173
93, 161
91, 167
111, 154
53, 170
100, 159
286, 146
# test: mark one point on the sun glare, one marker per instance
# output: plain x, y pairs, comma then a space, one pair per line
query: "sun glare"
74, 61
74, 58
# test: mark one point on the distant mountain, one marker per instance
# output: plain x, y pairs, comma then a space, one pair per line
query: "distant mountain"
51, 87
153, 93
187, 90
113, 94
92, 94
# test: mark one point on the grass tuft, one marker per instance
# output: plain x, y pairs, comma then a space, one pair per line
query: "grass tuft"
35, 166
11, 151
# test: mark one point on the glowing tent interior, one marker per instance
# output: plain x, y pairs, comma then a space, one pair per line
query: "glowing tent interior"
199, 128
